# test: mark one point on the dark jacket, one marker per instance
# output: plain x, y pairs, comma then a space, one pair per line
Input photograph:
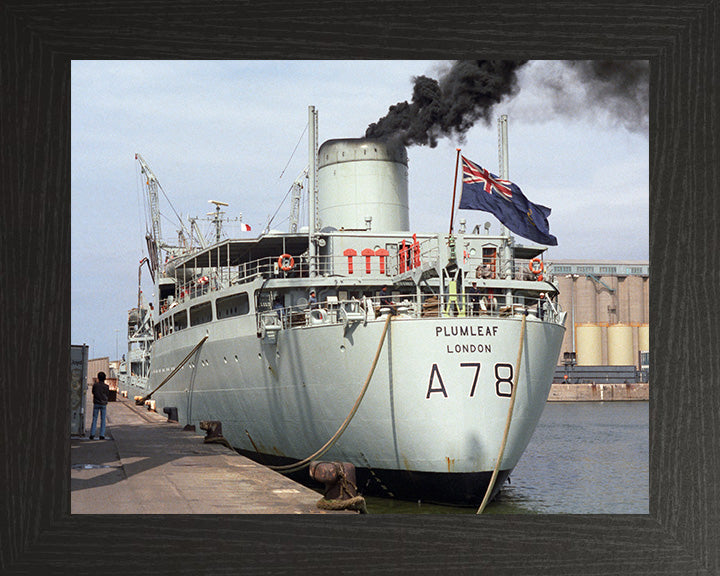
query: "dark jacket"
474, 293
101, 393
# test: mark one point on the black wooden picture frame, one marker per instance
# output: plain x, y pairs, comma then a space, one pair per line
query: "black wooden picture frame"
681, 535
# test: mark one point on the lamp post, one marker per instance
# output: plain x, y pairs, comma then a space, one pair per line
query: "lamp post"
572, 307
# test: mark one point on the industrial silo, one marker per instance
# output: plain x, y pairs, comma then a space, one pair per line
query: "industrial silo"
635, 299
588, 344
620, 345
363, 183
644, 337
586, 301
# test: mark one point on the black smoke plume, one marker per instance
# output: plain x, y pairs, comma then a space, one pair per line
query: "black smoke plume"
617, 89
469, 90
449, 106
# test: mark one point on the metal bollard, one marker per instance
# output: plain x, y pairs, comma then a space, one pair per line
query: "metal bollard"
172, 413
213, 432
213, 428
338, 477
340, 488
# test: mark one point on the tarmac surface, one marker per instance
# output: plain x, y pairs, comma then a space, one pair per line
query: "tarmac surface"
147, 465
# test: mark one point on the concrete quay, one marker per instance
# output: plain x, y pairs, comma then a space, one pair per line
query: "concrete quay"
147, 465
597, 392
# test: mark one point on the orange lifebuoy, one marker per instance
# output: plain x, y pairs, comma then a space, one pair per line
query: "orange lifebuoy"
286, 262
536, 266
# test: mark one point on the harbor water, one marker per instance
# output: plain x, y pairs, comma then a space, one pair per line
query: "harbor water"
584, 458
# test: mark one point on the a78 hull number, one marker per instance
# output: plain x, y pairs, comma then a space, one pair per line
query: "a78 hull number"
503, 373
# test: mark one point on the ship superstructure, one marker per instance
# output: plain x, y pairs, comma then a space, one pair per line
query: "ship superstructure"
284, 331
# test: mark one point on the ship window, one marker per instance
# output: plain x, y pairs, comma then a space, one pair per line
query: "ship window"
608, 270
180, 320
200, 314
235, 305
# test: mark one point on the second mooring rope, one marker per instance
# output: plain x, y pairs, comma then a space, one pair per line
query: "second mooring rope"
507, 421
175, 371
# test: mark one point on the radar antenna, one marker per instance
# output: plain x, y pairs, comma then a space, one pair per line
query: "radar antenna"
217, 217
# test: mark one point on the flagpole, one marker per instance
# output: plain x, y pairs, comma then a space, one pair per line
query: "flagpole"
452, 210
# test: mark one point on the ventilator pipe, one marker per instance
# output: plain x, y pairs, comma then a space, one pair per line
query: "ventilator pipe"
507, 421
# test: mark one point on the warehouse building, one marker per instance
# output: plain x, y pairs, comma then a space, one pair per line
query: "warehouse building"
608, 313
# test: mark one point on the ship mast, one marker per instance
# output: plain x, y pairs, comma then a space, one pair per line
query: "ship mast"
503, 161
217, 217
312, 190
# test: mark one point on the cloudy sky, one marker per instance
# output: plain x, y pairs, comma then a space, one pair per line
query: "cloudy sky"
235, 131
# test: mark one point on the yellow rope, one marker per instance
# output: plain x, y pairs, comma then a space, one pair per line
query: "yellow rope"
507, 421
300, 465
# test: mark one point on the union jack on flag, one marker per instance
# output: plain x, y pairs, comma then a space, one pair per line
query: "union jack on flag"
482, 190
474, 174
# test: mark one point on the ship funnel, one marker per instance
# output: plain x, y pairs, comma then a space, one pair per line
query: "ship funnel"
363, 180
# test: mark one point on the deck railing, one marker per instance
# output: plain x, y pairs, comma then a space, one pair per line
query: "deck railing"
334, 311
359, 267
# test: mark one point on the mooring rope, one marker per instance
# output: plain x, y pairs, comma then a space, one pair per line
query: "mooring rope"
507, 421
303, 463
175, 371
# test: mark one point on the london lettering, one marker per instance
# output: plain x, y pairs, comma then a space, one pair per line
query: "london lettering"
467, 348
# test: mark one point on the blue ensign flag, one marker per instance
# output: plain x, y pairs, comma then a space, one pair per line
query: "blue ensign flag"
482, 190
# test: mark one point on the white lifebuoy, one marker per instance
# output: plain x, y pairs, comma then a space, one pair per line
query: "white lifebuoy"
286, 262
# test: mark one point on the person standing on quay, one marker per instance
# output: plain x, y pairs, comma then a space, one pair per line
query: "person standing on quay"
101, 393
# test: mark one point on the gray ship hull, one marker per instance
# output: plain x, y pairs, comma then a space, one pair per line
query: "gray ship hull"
433, 414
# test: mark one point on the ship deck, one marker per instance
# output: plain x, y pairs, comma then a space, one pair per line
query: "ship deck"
147, 465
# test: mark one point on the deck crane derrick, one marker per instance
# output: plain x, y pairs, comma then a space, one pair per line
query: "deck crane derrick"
296, 190
154, 240
196, 233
